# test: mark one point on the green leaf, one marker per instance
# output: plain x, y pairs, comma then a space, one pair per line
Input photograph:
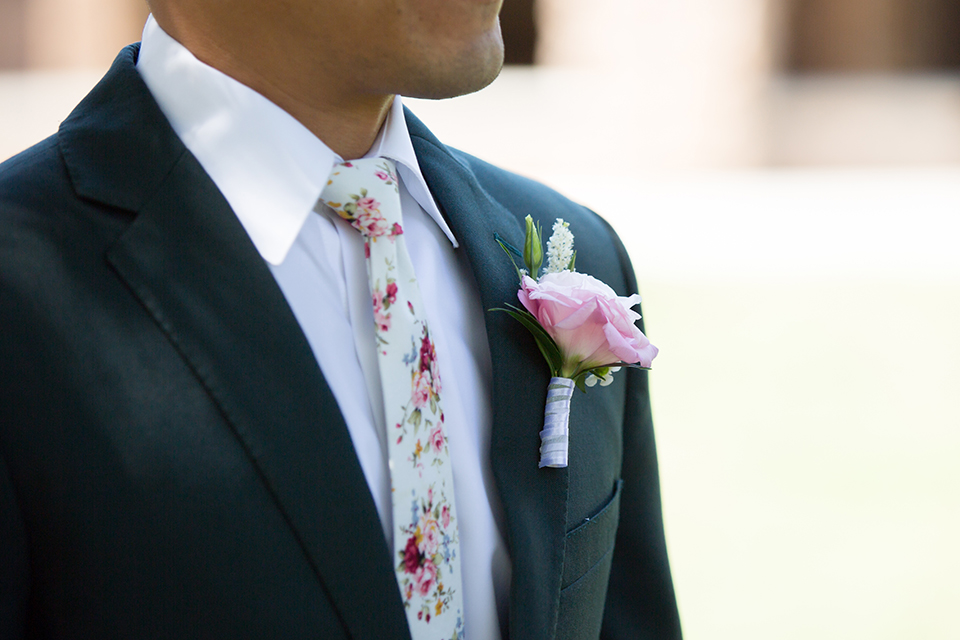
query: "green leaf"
507, 249
573, 262
580, 381
600, 372
635, 365
506, 246
548, 347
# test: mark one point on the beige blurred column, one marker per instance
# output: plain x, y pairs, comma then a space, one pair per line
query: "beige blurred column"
79, 33
874, 35
676, 84
11, 34
847, 35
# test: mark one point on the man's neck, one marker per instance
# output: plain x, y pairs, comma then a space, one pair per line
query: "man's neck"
346, 121
349, 128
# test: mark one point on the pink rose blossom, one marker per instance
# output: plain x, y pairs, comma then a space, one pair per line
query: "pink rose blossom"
368, 204
591, 324
436, 438
421, 389
382, 321
370, 223
425, 577
383, 175
445, 516
391, 292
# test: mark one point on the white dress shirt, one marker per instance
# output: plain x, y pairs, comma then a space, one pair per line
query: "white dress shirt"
271, 170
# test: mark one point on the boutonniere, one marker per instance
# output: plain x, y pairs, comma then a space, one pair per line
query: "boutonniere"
585, 331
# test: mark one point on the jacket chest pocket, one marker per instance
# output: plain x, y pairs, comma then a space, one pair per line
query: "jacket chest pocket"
586, 571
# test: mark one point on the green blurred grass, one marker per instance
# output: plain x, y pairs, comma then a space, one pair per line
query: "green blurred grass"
808, 438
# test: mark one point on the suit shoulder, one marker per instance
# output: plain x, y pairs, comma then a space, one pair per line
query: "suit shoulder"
33, 163
34, 177
43, 221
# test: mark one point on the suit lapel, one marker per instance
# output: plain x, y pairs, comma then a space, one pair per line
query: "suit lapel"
534, 500
192, 266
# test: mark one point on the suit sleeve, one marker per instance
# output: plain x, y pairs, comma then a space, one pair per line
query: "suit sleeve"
641, 603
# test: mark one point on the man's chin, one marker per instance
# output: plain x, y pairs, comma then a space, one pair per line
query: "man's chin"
449, 78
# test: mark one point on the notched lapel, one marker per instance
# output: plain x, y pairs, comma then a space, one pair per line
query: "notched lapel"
534, 500
192, 266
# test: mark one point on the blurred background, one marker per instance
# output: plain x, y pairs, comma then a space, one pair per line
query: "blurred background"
786, 175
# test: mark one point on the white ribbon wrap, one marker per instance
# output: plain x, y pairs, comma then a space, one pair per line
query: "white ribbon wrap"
554, 439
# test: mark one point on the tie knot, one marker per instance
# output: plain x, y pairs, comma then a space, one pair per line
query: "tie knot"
365, 192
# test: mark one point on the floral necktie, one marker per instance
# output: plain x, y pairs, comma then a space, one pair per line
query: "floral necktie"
425, 540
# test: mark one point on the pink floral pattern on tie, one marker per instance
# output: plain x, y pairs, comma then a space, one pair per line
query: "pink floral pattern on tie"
363, 211
431, 543
382, 301
424, 399
426, 538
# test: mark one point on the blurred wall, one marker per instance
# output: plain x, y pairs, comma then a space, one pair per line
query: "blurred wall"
58, 34
682, 84
696, 68
740, 83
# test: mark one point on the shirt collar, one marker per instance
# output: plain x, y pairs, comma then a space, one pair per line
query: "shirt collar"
394, 143
269, 167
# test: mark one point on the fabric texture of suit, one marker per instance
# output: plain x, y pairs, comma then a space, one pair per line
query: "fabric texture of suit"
172, 462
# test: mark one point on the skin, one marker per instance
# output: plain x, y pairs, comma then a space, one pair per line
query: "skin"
335, 65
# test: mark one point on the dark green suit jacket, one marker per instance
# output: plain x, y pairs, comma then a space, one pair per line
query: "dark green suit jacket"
172, 461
